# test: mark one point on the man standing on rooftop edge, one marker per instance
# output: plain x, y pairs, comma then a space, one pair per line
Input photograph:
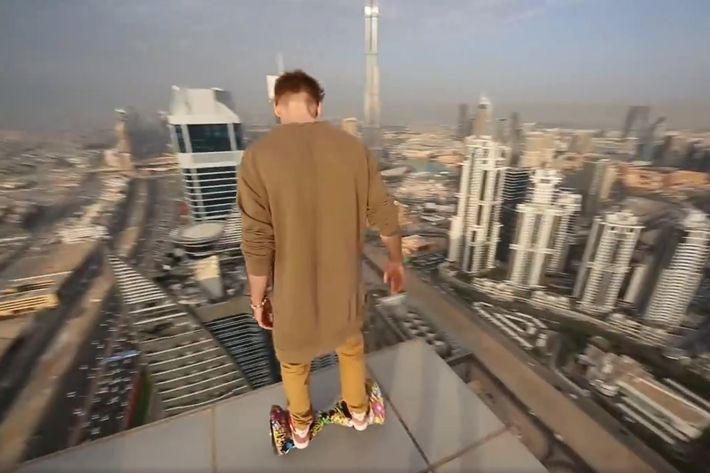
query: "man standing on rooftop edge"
307, 191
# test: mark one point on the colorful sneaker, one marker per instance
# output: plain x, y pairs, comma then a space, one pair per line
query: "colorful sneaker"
360, 421
300, 437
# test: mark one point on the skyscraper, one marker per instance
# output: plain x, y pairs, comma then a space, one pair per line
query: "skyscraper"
207, 137
538, 149
606, 260
515, 136
515, 189
473, 237
538, 230
371, 131
681, 276
581, 142
501, 134
674, 150
482, 119
463, 122
597, 179
648, 140
636, 121
569, 206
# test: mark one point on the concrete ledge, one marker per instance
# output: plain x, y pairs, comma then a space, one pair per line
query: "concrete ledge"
434, 423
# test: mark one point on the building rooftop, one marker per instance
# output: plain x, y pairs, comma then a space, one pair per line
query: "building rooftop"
435, 423
195, 233
672, 401
189, 369
189, 105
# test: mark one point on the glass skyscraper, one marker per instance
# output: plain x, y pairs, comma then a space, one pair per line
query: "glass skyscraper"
207, 137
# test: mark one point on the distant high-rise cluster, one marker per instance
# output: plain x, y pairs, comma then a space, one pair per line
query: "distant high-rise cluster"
475, 228
515, 199
542, 229
207, 137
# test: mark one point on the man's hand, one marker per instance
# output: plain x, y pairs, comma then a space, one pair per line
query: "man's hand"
262, 318
394, 276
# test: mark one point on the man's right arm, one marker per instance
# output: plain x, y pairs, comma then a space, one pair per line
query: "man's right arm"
383, 214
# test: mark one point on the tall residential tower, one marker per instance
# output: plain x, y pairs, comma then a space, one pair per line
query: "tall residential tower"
680, 277
542, 229
207, 138
606, 261
473, 237
515, 191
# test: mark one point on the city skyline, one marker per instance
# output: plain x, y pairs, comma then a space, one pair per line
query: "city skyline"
550, 59
555, 256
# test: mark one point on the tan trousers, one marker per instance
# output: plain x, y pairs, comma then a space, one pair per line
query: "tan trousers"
296, 380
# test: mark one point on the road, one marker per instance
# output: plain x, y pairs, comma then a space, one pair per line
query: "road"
534, 385
29, 408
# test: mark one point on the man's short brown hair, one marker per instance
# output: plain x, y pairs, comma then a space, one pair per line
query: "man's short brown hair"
293, 82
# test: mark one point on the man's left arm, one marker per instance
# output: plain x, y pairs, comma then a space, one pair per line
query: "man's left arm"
257, 231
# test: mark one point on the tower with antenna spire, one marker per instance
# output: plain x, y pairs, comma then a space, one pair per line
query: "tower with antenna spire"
482, 119
371, 127
271, 80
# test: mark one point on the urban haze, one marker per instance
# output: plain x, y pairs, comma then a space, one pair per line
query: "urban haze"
550, 165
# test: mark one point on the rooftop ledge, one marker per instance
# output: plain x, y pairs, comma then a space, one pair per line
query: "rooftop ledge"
435, 423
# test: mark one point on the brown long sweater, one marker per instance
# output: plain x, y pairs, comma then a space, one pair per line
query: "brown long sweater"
306, 192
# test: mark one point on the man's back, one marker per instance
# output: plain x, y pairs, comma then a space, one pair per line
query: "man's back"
307, 191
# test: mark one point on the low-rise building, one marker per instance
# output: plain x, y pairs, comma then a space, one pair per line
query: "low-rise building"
654, 179
39, 282
668, 409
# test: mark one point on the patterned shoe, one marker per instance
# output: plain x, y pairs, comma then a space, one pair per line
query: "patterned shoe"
300, 437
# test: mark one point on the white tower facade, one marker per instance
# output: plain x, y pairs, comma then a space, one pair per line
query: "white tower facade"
475, 229
371, 127
207, 137
679, 281
482, 118
540, 230
606, 261
570, 206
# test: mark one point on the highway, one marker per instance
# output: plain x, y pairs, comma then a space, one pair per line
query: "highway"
27, 411
62, 417
611, 450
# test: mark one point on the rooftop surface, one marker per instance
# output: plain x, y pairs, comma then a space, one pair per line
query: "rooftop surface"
435, 423
667, 399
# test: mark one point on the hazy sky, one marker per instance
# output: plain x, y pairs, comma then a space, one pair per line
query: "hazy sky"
69, 63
